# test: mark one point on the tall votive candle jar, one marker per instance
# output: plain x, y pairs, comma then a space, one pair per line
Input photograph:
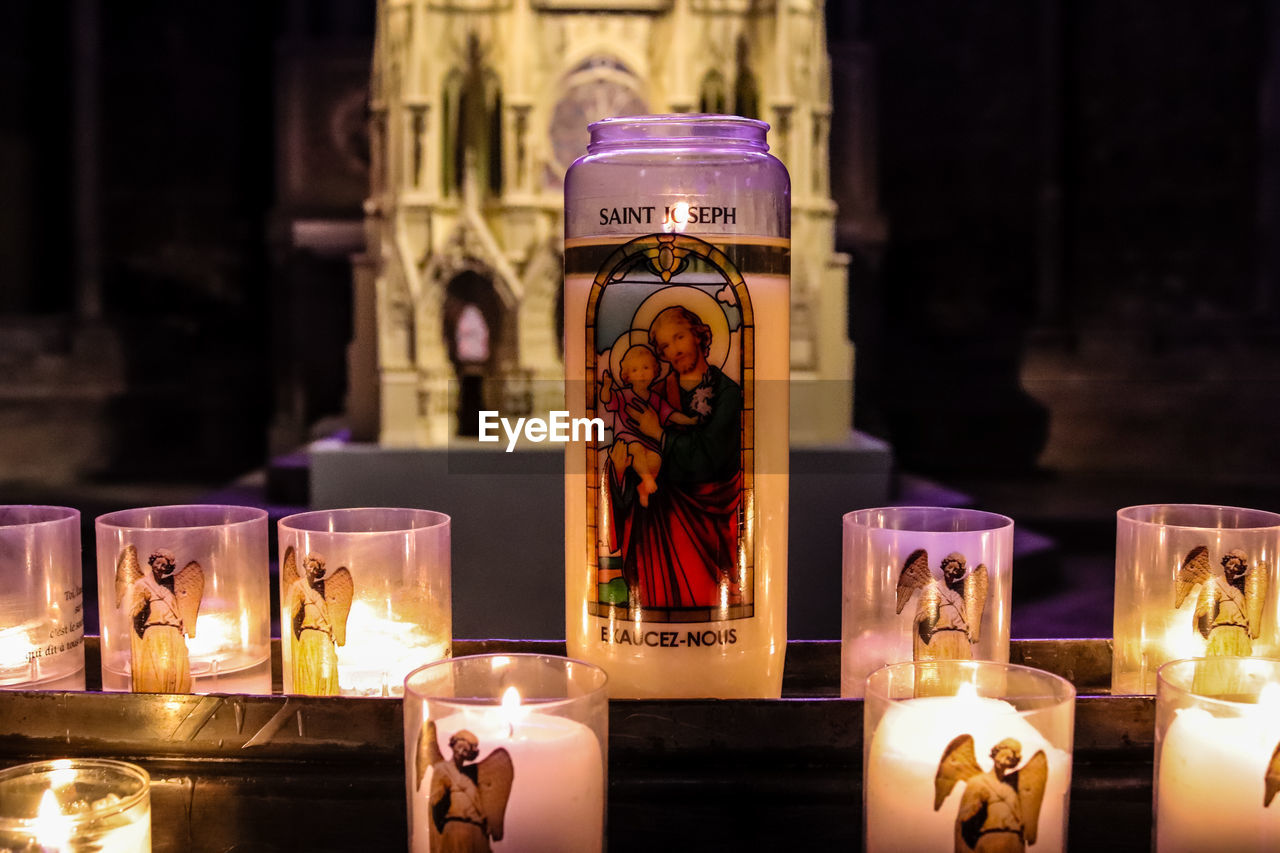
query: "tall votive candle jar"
676, 328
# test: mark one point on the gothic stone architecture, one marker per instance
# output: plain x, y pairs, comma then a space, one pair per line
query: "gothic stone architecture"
477, 109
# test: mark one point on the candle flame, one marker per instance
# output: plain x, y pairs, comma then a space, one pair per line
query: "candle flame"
511, 709
63, 774
677, 218
52, 827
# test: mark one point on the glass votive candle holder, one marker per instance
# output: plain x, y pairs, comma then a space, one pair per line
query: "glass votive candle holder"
993, 758
1217, 765
510, 748
41, 599
184, 599
1192, 581
75, 804
364, 599
923, 583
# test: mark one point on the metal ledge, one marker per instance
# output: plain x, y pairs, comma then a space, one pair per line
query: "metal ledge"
283, 773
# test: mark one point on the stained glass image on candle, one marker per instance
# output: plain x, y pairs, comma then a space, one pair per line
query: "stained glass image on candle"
364, 599
1192, 581
506, 752
986, 767
41, 599
672, 479
923, 583
1217, 767
184, 600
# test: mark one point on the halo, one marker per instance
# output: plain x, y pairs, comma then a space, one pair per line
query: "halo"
626, 341
699, 302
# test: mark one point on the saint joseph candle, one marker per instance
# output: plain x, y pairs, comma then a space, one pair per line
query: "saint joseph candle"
967, 766
1218, 760
527, 776
676, 319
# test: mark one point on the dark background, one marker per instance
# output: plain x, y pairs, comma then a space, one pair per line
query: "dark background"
1073, 308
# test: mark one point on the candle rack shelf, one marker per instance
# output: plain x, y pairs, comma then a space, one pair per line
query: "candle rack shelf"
283, 773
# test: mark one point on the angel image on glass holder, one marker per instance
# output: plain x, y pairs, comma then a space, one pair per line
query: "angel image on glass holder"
948, 618
1000, 809
468, 798
163, 606
317, 606
1228, 610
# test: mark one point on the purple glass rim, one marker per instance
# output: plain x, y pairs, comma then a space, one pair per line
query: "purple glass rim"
373, 520
1199, 517
928, 519
182, 517
678, 129
27, 515
597, 675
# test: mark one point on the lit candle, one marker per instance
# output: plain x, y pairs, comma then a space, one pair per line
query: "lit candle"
364, 597
542, 777
42, 601
942, 768
381, 650
17, 655
1191, 580
677, 341
1214, 761
69, 805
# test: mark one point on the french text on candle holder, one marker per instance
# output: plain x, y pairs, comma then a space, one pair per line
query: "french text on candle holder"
75, 628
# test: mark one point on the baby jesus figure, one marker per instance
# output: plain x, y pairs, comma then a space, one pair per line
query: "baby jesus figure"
639, 370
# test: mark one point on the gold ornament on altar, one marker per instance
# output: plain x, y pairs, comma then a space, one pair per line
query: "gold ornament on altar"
317, 605
163, 606
1000, 809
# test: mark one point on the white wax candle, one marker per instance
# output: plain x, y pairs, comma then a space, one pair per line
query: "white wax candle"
903, 761
557, 788
1211, 786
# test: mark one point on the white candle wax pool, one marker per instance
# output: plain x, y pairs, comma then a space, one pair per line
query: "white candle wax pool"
556, 802
1212, 782
903, 762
